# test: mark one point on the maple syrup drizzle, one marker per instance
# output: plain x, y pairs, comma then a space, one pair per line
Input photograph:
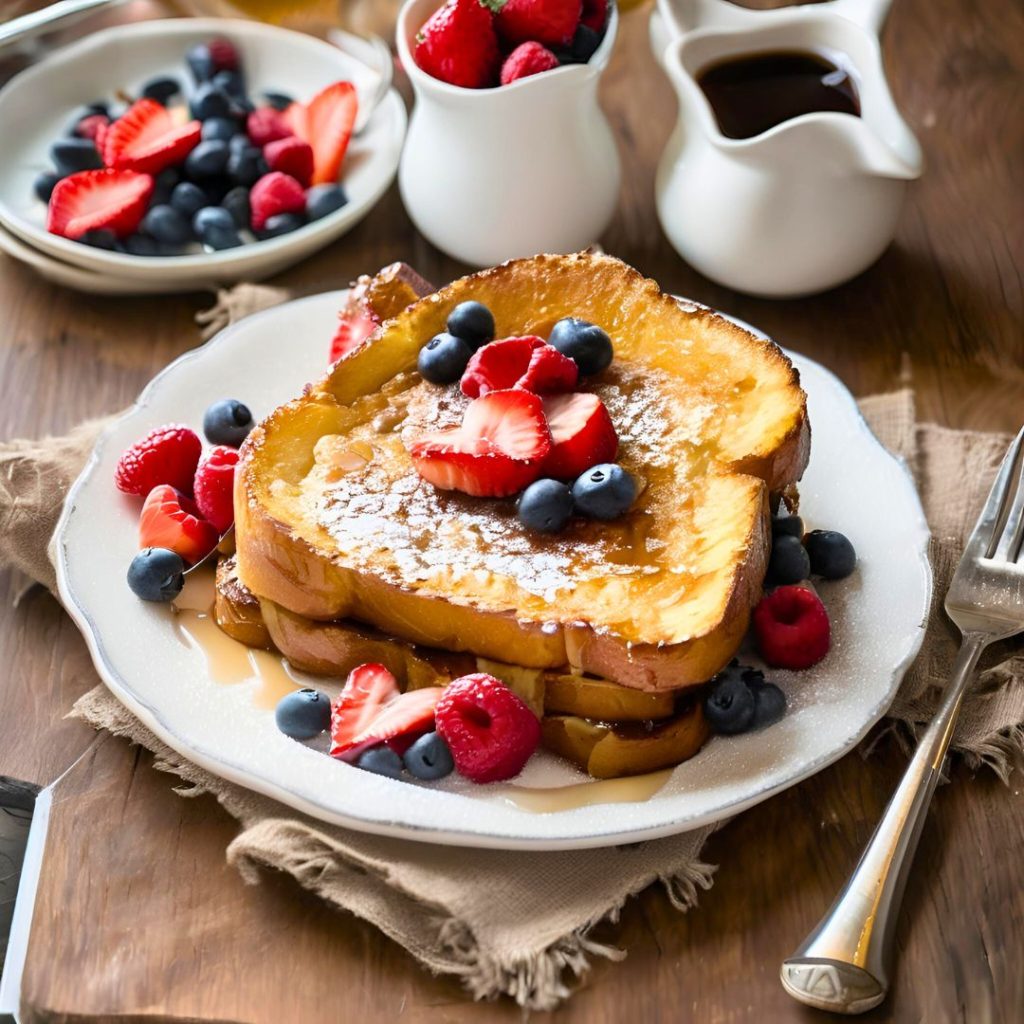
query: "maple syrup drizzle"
631, 789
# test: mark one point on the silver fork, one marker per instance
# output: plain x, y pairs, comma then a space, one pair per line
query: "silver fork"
843, 964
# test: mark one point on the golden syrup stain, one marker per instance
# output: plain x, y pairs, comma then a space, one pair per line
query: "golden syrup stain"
230, 663
633, 789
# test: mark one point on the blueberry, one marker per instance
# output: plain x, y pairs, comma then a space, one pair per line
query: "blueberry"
443, 359
729, 706
236, 202
769, 701
72, 155
166, 225
209, 101
230, 82
164, 185
156, 574
44, 185
787, 526
200, 62
215, 228
545, 506
207, 160
188, 198
278, 100
101, 238
788, 562
142, 245
584, 42
223, 128
98, 107
473, 322
216, 188
227, 422
281, 224
605, 491
324, 199
831, 554
246, 166
241, 107
161, 89
584, 343
239, 142
381, 761
303, 714
429, 757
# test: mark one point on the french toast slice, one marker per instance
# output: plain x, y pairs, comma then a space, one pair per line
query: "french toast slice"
332, 520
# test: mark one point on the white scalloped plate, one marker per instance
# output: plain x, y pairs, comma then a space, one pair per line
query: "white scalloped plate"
852, 484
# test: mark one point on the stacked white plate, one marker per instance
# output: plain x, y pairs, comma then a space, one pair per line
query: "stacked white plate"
37, 105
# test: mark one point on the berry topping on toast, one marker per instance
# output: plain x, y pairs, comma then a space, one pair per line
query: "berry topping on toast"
529, 363
582, 435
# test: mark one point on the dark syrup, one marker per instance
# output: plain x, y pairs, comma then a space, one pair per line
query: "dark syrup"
753, 93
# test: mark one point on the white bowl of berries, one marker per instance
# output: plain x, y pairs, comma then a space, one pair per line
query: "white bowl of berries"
207, 151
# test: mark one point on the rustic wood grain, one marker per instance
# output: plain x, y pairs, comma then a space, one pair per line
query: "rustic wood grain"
138, 916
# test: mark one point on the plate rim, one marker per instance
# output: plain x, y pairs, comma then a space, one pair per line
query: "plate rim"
190, 266
447, 836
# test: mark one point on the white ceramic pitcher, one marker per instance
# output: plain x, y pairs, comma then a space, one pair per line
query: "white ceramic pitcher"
492, 174
807, 204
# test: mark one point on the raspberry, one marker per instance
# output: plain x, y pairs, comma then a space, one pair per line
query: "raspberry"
265, 125
525, 60
792, 628
214, 487
490, 731
224, 54
275, 193
291, 156
166, 455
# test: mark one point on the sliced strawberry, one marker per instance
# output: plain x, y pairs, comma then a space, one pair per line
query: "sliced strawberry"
274, 193
290, 156
354, 327
582, 435
90, 200
367, 689
529, 363
326, 124
408, 714
171, 520
497, 451
265, 124
147, 138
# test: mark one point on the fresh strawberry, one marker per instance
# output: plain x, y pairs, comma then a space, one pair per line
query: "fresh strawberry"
166, 455
551, 22
409, 714
595, 14
792, 628
459, 46
291, 156
90, 200
582, 435
525, 60
496, 452
489, 730
214, 486
275, 193
91, 127
224, 54
326, 124
265, 125
528, 363
170, 520
367, 689
147, 138
355, 325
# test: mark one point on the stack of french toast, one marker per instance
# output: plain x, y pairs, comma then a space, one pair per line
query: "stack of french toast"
346, 555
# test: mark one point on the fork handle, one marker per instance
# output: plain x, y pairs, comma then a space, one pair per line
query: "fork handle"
842, 965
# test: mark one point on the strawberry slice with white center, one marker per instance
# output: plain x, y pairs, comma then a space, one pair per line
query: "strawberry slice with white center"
529, 363
326, 124
582, 435
355, 325
410, 714
90, 200
496, 452
148, 138
367, 690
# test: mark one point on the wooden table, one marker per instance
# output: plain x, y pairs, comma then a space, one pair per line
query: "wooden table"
138, 915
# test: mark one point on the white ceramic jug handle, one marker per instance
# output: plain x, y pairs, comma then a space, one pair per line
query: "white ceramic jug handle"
681, 16
869, 14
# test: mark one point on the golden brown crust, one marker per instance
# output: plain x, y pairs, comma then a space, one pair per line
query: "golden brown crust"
237, 609
290, 561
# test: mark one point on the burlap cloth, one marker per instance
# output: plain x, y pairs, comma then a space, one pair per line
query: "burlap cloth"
518, 923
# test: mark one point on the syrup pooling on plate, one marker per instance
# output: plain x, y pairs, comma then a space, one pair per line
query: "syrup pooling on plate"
551, 800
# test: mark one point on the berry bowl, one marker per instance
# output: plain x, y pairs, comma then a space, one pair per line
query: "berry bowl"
38, 105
